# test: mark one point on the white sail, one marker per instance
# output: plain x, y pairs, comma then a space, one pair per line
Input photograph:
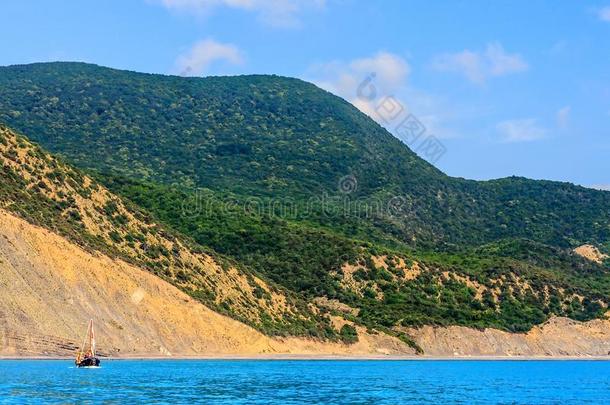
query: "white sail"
92, 338
87, 350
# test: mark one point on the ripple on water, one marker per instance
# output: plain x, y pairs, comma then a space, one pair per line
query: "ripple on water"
291, 382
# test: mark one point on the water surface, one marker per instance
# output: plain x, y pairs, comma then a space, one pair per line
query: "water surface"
310, 381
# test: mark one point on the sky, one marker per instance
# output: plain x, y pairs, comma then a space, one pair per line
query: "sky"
504, 87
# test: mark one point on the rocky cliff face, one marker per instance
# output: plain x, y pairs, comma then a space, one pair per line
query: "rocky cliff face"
557, 337
50, 287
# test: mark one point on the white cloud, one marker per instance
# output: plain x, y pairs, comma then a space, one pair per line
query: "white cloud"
604, 187
388, 72
604, 13
521, 130
384, 77
478, 67
277, 13
363, 81
204, 53
563, 117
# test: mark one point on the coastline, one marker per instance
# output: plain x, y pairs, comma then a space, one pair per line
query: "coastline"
305, 357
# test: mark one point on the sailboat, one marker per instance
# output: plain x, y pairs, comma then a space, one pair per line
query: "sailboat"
86, 355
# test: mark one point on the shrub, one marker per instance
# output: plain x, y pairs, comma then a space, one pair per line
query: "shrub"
348, 334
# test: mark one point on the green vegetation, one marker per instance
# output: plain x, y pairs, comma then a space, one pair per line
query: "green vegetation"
249, 166
348, 334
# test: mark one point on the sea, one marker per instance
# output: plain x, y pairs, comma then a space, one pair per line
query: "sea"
306, 382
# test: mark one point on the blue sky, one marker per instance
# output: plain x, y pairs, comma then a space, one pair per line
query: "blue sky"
509, 88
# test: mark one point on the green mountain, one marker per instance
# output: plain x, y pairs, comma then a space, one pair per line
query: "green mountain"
302, 188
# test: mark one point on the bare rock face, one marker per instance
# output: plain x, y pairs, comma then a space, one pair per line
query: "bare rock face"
51, 287
590, 252
557, 337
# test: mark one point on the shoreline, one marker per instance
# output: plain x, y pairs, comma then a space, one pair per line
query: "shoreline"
300, 357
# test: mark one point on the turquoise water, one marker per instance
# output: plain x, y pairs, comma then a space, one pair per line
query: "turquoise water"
313, 382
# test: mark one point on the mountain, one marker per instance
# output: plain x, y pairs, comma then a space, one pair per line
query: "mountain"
300, 188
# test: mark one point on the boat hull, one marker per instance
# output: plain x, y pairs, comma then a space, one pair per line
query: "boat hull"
89, 362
